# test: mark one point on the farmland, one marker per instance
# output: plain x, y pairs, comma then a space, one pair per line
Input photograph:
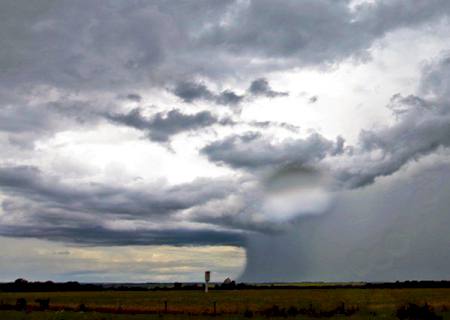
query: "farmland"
230, 304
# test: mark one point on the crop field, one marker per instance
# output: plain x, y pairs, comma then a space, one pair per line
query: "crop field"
229, 304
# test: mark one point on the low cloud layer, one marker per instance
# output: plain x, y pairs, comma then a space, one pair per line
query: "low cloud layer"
40, 206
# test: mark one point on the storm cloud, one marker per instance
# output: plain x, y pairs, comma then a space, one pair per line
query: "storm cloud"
130, 44
383, 232
316, 32
31, 183
100, 236
279, 116
38, 204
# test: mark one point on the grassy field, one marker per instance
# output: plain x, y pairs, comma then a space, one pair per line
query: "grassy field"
371, 303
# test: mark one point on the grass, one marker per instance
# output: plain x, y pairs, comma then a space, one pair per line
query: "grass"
372, 303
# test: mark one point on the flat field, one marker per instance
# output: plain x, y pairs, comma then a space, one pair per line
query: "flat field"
230, 304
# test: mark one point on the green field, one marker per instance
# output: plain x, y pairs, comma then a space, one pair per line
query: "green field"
371, 303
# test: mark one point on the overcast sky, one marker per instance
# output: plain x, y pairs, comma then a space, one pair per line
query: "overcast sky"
262, 140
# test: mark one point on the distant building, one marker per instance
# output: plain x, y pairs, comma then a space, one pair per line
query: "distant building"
228, 284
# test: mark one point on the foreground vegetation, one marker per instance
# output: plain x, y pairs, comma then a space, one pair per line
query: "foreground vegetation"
232, 304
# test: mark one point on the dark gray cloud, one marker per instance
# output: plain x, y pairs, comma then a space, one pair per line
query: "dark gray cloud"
30, 183
100, 236
422, 127
43, 206
125, 47
161, 126
118, 46
24, 121
313, 99
254, 151
271, 124
192, 91
261, 87
133, 119
35, 202
229, 97
134, 44
315, 32
134, 97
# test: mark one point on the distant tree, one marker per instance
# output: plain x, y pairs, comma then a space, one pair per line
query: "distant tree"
21, 304
44, 304
20, 281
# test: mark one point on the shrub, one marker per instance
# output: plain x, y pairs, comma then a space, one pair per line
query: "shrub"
413, 311
82, 308
21, 304
248, 313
